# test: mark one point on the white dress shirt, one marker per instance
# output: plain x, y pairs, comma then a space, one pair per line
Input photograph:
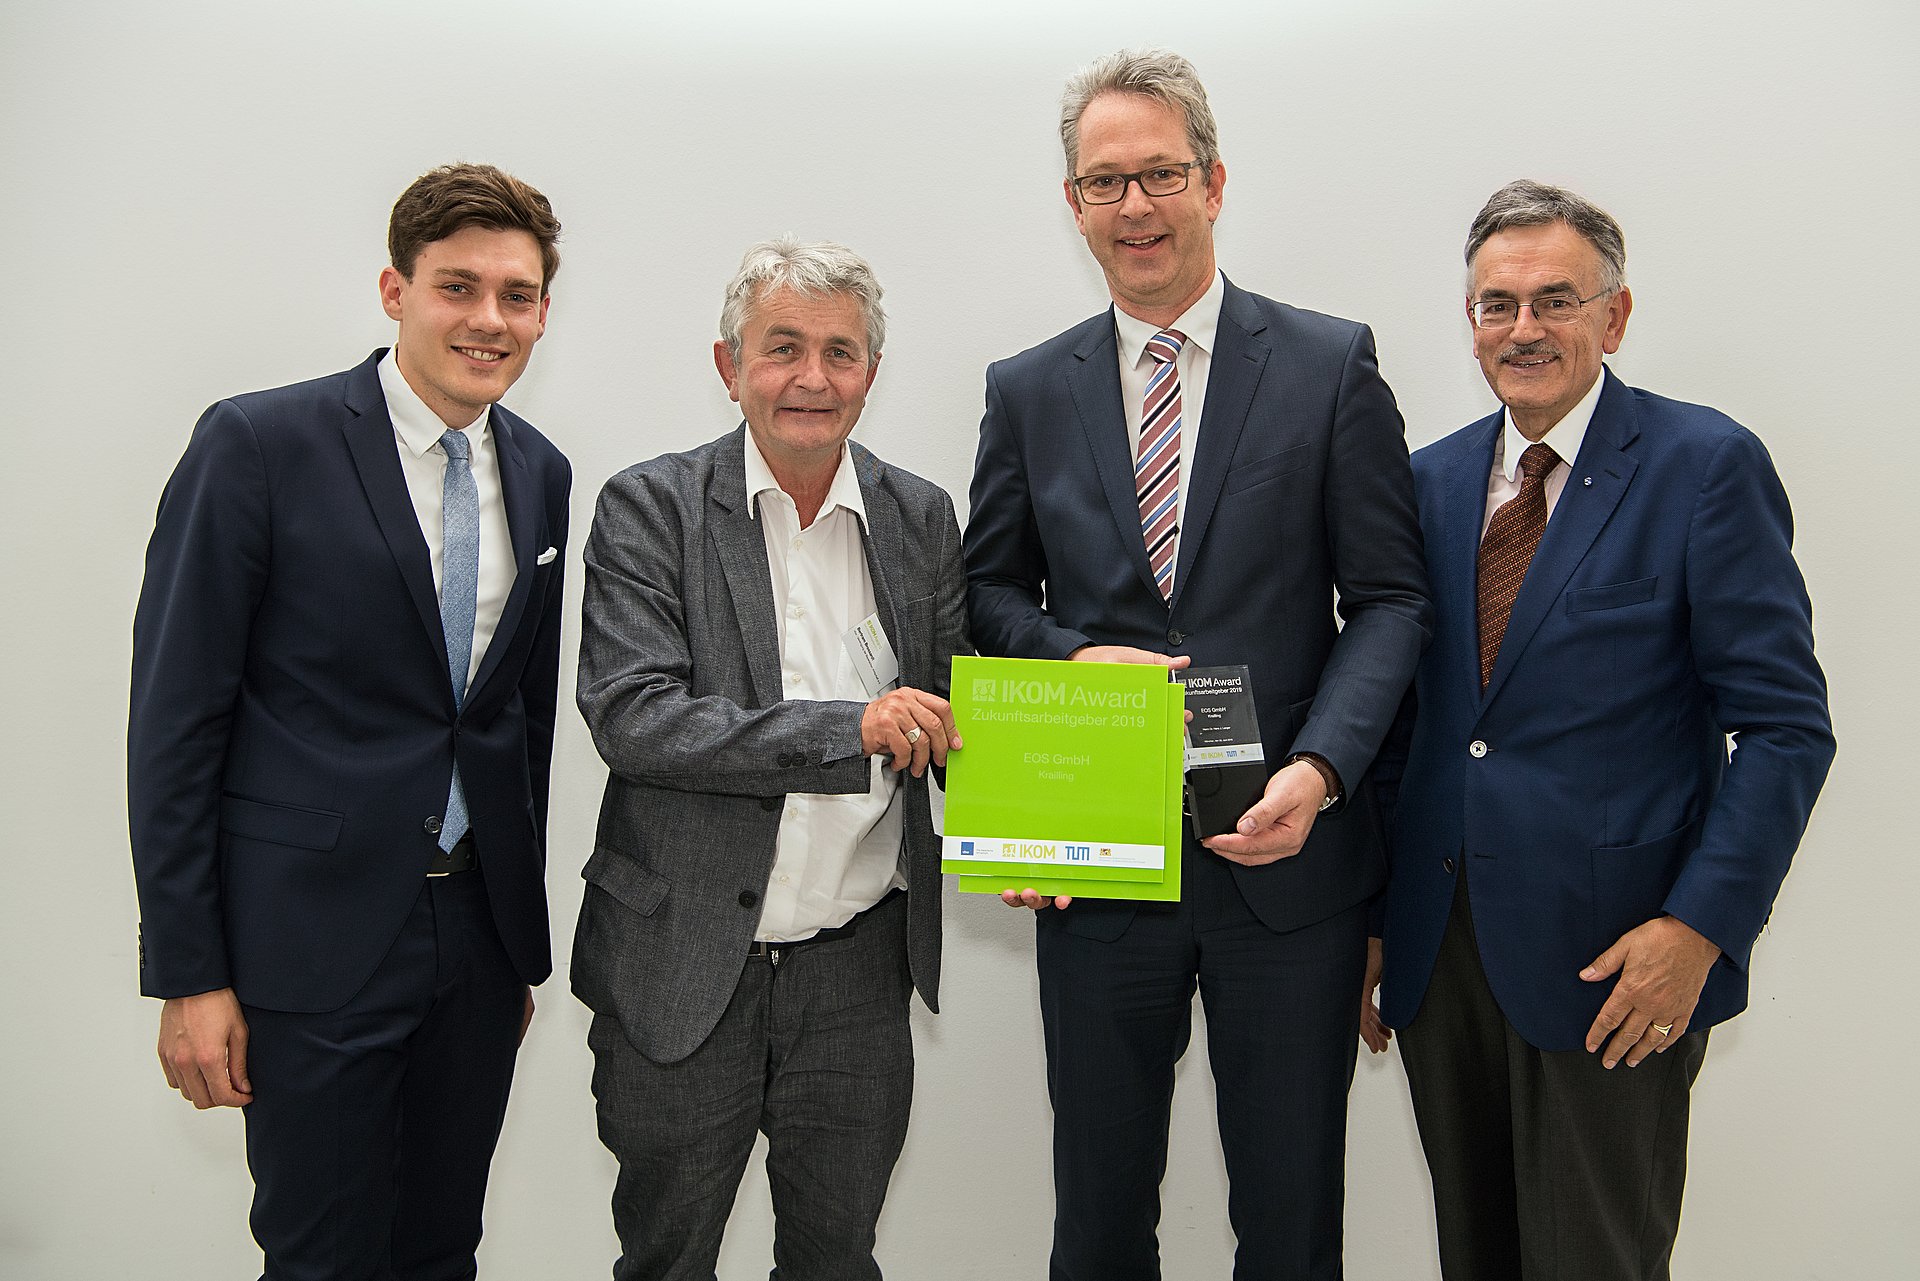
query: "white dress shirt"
1564, 436
836, 855
1199, 323
416, 432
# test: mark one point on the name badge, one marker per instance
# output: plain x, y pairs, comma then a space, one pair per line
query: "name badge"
873, 658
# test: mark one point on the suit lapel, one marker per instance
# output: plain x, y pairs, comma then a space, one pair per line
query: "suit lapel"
524, 527
369, 435
1238, 359
742, 549
1094, 381
1454, 557
1595, 485
885, 544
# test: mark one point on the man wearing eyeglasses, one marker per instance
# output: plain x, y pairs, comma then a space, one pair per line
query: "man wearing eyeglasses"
1190, 477
1580, 867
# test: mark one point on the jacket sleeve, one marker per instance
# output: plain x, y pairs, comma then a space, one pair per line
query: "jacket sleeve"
637, 673
1752, 644
206, 572
1379, 573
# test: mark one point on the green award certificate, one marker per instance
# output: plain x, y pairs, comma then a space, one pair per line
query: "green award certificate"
1070, 779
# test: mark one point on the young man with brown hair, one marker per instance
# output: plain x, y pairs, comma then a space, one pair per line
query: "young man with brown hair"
341, 722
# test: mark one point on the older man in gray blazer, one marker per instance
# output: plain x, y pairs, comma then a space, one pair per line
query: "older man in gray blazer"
767, 633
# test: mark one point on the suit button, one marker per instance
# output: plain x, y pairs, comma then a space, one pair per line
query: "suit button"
770, 802
1447, 865
432, 825
786, 759
748, 898
1476, 749
1176, 637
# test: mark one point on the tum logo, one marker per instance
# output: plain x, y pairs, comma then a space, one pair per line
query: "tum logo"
983, 689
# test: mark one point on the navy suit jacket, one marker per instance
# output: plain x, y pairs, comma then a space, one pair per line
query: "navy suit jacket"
293, 732
1589, 789
1300, 489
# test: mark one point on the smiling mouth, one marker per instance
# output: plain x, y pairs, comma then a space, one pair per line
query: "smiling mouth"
1141, 242
485, 357
1529, 359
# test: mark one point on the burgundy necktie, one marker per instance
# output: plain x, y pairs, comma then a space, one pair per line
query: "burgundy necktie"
1507, 549
1156, 476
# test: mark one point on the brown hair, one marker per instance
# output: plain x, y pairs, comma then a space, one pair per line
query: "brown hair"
442, 201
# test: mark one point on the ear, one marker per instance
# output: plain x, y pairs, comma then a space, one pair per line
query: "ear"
873, 367
546, 301
1619, 307
1073, 203
391, 285
729, 372
1216, 189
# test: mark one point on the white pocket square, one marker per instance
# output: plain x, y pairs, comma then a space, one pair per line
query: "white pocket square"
546, 557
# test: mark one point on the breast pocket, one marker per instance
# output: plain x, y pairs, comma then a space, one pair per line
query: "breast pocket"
1587, 600
1263, 471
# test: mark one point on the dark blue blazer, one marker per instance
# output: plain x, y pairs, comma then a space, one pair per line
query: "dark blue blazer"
1589, 788
292, 729
1300, 490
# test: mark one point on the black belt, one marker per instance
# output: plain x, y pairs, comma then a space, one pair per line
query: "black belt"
461, 858
773, 951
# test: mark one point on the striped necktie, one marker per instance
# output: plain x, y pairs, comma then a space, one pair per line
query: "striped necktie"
1156, 475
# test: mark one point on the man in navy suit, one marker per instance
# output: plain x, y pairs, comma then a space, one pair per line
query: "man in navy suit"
1580, 867
344, 672
1192, 476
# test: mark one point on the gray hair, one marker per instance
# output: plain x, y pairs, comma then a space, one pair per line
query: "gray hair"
813, 268
1151, 73
1526, 203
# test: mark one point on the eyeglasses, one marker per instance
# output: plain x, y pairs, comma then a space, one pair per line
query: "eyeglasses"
1111, 188
1559, 307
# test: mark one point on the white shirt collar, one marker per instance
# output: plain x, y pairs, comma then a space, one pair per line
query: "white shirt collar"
418, 427
1565, 436
1199, 323
844, 492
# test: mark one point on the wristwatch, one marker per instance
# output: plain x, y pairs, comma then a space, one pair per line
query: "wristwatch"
1327, 776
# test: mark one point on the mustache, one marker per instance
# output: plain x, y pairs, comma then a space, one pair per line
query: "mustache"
1520, 351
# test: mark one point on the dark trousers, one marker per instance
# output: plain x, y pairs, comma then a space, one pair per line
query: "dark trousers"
373, 1125
813, 1051
1546, 1166
1282, 1027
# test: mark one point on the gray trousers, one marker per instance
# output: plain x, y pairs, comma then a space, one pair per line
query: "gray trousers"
1546, 1166
814, 1052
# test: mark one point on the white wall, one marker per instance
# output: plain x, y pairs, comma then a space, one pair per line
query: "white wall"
195, 204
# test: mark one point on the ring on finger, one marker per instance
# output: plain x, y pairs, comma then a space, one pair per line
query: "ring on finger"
1663, 1029
913, 735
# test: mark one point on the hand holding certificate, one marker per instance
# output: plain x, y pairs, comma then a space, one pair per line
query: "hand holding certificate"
1070, 783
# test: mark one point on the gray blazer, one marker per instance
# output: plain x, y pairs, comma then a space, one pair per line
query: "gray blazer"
680, 686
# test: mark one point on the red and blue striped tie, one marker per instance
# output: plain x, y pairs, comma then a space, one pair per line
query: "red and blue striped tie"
1156, 476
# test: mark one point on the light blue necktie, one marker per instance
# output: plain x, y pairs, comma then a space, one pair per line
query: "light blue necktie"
459, 584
